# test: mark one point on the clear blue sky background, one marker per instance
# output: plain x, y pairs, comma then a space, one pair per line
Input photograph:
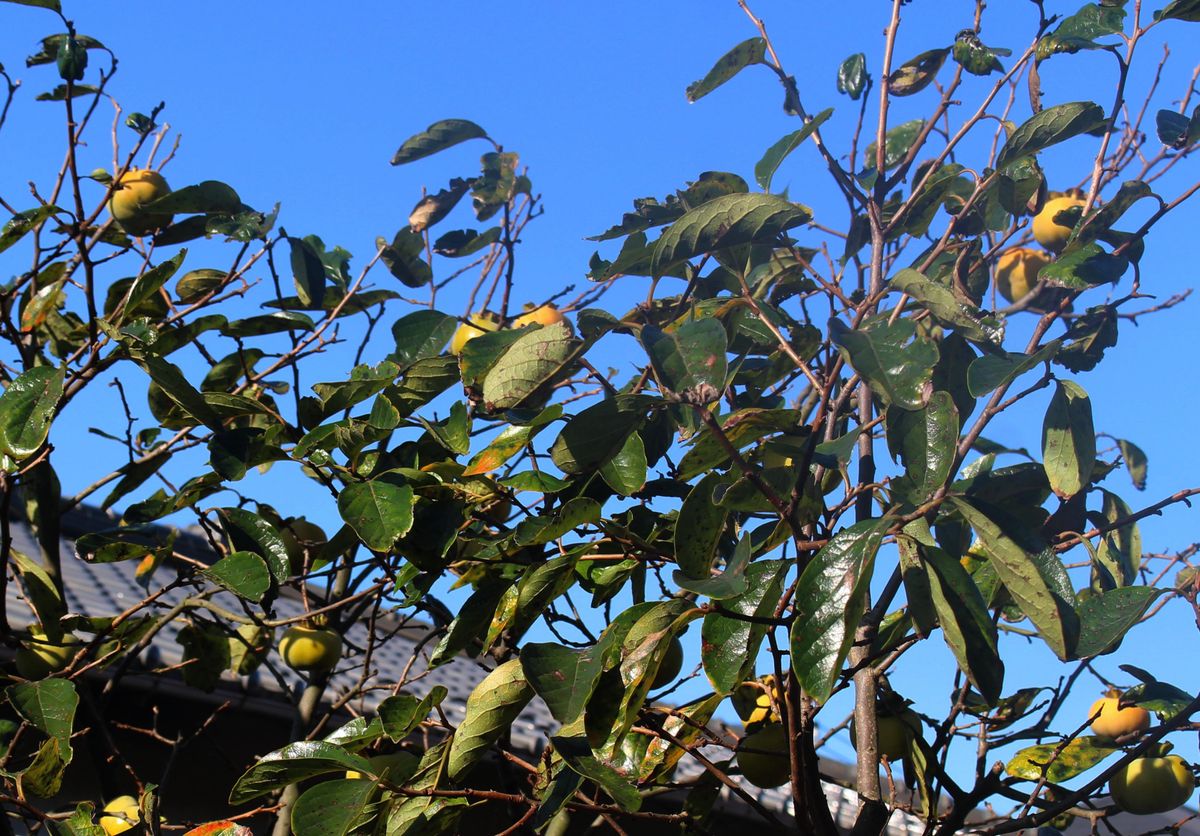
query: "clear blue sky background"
304, 103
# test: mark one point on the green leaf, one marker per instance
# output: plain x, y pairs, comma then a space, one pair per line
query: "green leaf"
335, 808
492, 707
566, 677
44, 776
751, 51
726, 221
420, 334
535, 530
470, 622
41, 593
625, 472
1176, 130
123, 543
49, 706
210, 196
915, 74
206, 654
308, 272
510, 441
292, 764
1120, 549
378, 511
960, 314
729, 646
27, 410
402, 713
740, 428
196, 284
728, 584
764, 169
495, 184
1083, 267
966, 624
1049, 127
896, 144
1105, 618
275, 323
925, 441
402, 257
1087, 338
1162, 698
991, 371
829, 602
598, 433
243, 573
689, 361
437, 137
1035, 581
1100, 222
249, 532
539, 587
1069, 440
62, 92
432, 208
1135, 462
80, 823
146, 286
1188, 10
44, 4
950, 373
897, 371
698, 528
975, 57
578, 755
177, 389
460, 243
1077, 756
22, 223
1079, 31
424, 816
528, 366
852, 76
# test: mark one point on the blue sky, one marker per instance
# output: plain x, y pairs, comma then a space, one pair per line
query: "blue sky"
304, 103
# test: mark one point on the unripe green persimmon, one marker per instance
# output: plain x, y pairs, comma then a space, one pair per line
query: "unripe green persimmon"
671, 665
1152, 785
763, 757
894, 734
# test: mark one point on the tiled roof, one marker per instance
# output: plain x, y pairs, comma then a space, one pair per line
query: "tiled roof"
100, 589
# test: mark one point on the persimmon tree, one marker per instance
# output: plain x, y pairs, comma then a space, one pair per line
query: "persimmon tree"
798, 484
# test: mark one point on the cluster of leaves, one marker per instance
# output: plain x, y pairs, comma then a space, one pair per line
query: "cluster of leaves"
735, 480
